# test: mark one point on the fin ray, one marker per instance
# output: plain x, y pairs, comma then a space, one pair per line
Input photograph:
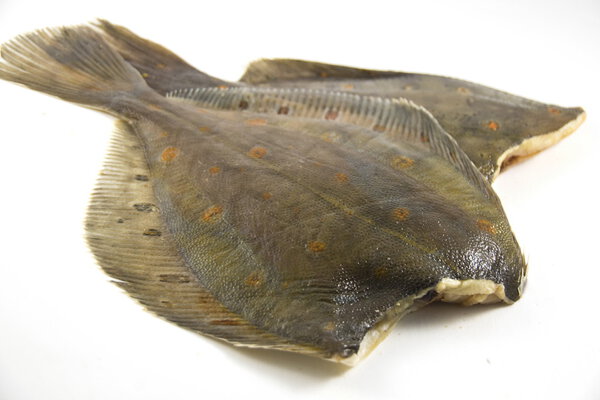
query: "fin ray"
73, 63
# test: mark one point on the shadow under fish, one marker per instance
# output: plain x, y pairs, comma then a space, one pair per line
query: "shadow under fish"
294, 219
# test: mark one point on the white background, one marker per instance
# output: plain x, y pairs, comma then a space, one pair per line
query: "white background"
67, 333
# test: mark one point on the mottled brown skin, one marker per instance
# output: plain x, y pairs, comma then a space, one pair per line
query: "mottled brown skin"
351, 227
486, 122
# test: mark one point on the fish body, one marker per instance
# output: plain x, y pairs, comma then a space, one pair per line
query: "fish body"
300, 220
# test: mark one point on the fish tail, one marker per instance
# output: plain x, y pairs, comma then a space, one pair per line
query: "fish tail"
163, 70
72, 63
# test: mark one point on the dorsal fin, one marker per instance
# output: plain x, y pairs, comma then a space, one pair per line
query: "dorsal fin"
271, 70
397, 119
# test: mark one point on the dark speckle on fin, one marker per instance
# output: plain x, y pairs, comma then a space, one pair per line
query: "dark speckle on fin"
144, 207
152, 232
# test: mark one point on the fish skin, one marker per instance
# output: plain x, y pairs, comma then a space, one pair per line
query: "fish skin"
345, 236
495, 129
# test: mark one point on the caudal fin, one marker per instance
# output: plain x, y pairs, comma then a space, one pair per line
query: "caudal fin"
162, 69
73, 63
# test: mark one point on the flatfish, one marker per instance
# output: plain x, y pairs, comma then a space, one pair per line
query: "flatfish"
494, 128
295, 219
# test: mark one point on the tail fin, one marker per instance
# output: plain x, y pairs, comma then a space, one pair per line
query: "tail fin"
162, 69
73, 63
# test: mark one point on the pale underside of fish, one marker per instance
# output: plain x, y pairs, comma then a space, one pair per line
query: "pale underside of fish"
494, 128
296, 219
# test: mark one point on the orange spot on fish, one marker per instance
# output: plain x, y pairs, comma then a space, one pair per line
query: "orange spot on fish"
330, 137
161, 66
402, 162
214, 170
164, 134
316, 246
257, 152
169, 154
553, 110
463, 90
323, 75
486, 226
378, 128
347, 86
400, 213
341, 177
145, 75
329, 327
255, 279
223, 87
256, 121
408, 87
380, 272
211, 214
204, 129
493, 125
331, 115
154, 107
267, 195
